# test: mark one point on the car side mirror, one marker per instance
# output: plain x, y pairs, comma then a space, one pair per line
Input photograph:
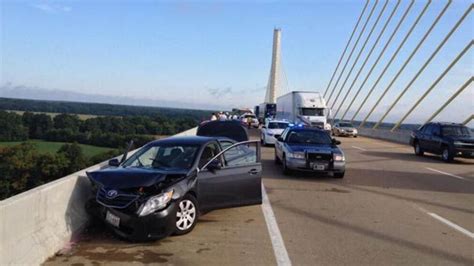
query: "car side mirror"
114, 162
214, 165
336, 142
278, 137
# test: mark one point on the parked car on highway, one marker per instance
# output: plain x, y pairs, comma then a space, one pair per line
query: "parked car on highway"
344, 129
270, 129
448, 139
164, 187
309, 149
245, 118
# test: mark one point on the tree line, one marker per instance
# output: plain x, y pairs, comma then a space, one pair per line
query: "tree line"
104, 131
23, 167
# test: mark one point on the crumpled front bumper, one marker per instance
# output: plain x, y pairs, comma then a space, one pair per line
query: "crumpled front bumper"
132, 227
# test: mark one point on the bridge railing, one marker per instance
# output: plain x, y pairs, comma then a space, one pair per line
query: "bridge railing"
37, 223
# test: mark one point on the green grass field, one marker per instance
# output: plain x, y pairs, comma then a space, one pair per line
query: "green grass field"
81, 116
53, 147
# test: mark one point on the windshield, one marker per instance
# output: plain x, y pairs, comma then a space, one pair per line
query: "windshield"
309, 137
276, 125
312, 111
455, 131
345, 125
163, 157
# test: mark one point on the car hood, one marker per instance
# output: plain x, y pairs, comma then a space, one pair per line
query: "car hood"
122, 178
311, 148
275, 131
348, 128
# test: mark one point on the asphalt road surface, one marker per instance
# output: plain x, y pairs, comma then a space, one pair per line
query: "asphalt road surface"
392, 208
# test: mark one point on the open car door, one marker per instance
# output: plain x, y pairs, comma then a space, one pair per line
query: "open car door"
232, 178
230, 129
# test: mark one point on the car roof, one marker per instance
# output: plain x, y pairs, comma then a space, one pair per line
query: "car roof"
278, 121
306, 129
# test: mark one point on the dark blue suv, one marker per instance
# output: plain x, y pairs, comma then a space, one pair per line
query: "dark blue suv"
448, 139
309, 149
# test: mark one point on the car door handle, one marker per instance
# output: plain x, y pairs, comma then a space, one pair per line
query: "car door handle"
253, 172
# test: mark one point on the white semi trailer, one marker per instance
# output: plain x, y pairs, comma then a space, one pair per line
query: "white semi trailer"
304, 107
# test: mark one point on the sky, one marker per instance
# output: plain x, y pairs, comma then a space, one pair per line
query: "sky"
217, 54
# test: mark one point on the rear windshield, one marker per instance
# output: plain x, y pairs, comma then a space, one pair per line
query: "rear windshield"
275, 125
251, 116
345, 125
312, 111
455, 131
309, 137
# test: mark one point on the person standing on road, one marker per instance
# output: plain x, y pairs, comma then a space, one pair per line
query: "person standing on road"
222, 117
249, 122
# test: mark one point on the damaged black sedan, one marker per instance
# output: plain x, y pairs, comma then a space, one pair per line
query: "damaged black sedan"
163, 187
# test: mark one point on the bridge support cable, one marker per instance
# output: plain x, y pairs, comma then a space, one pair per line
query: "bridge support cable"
376, 61
360, 53
461, 89
460, 55
347, 46
423, 39
353, 48
367, 57
469, 119
410, 31
438, 48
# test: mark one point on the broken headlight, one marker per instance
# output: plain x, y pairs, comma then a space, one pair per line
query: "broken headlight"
155, 203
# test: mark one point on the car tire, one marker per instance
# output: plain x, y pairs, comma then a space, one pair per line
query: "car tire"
187, 215
446, 154
339, 175
277, 160
417, 148
355, 136
286, 170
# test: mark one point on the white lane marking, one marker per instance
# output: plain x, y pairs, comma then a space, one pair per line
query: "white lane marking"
281, 255
359, 148
444, 173
448, 223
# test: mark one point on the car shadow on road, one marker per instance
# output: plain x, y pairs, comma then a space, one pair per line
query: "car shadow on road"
346, 226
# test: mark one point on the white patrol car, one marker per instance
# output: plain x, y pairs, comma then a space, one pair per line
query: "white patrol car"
270, 129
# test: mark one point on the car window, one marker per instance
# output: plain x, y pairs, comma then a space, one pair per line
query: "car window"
346, 125
208, 153
277, 125
308, 137
427, 129
456, 131
163, 156
225, 144
285, 132
242, 154
435, 130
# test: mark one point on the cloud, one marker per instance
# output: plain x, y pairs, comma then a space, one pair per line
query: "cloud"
49, 8
220, 92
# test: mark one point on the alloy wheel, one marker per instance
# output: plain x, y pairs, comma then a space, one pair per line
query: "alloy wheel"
186, 215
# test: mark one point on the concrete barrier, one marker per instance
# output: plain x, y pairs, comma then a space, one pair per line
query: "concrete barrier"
35, 224
399, 136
